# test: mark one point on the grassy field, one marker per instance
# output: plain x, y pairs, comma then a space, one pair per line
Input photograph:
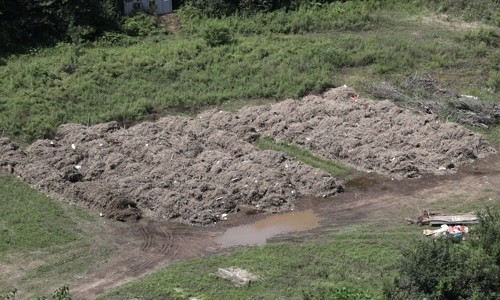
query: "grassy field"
268, 56
41, 239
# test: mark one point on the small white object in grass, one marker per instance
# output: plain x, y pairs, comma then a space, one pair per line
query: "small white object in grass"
442, 168
257, 205
223, 216
147, 145
100, 145
293, 192
101, 215
78, 167
73, 146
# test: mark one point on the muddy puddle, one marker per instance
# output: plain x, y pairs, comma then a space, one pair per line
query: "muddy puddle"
257, 233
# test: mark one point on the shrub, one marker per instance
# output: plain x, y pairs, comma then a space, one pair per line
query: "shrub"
444, 269
140, 24
217, 34
494, 81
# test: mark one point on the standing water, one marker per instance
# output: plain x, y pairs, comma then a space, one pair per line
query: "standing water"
258, 232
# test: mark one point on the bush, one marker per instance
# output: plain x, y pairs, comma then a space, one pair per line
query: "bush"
444, 269
216, 34
494, 81
140, 24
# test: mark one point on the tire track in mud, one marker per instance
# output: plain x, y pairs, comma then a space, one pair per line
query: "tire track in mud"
157, 246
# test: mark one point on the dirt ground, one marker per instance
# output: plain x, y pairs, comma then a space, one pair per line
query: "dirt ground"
194, 170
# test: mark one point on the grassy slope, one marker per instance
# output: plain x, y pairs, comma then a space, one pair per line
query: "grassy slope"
40, 238
30, 220
272, 56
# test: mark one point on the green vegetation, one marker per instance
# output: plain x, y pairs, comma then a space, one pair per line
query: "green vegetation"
36, 228
448, 268
30, 220
61, 293
272, 55
331, 167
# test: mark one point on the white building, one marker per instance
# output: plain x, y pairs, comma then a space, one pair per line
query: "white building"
161, 7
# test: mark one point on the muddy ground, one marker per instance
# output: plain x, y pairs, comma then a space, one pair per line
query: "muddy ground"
194, 170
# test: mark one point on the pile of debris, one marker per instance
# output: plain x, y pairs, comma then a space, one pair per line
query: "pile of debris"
454, 225
238, 277
198, 170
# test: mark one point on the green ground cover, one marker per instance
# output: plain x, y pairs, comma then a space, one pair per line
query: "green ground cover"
333, 168
30, 220
42, 238
267, 56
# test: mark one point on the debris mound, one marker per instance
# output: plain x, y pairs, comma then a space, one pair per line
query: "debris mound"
238, 277
194, 170
123, 210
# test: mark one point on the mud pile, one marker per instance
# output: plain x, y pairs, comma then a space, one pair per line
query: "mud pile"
195, 170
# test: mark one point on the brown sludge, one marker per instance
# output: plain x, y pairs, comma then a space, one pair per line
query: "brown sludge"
192, 170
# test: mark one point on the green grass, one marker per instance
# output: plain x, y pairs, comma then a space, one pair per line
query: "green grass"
30, 220
333, 168
41, 242
271, 56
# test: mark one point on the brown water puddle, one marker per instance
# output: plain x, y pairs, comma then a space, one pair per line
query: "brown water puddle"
257, 233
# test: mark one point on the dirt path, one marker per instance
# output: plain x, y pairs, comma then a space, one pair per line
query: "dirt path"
148, 246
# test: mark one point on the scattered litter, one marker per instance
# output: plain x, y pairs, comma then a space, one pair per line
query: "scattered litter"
457, 231
238, 277
101, 215
73, 146
78, 167
223, 217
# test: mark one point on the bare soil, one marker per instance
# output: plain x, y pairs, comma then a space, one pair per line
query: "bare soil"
193, 170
